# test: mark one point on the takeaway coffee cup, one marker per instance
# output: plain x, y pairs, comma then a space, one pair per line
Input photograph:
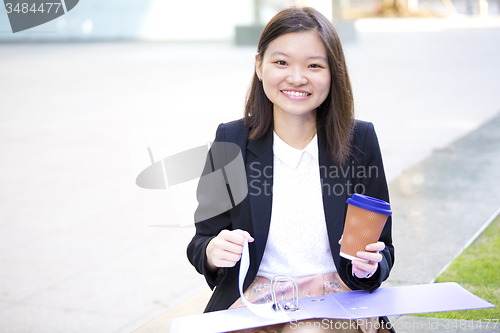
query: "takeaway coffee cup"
366, 217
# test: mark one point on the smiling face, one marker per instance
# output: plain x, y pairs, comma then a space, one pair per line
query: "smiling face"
295, 73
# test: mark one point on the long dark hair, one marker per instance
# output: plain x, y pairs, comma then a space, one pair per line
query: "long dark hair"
336, 113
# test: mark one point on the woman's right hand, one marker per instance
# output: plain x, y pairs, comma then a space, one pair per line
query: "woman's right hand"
225, 249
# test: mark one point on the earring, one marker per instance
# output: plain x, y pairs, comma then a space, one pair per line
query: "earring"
258, 76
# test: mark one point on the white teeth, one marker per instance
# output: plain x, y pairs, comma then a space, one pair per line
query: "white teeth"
294, 93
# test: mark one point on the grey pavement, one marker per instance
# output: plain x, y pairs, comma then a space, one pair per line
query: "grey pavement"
439, 206
77, 250
445, 200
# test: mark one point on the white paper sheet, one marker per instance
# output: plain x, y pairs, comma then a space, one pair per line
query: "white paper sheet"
261, 310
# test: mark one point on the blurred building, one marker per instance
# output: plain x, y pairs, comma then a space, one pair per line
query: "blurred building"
201, 20
152, 20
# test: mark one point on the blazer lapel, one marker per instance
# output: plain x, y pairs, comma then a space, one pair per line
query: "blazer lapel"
259, 169
334, 186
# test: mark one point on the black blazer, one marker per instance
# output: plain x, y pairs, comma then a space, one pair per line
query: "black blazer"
364, 174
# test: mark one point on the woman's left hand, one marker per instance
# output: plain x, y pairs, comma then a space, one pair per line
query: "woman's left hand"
362, 269
366, 269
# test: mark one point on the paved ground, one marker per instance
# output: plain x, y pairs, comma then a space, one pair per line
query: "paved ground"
440, 204
76, 248
444, 200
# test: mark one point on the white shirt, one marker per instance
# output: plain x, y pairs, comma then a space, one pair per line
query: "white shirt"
297, 244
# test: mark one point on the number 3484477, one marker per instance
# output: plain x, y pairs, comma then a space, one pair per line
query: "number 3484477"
25, 8
475, 324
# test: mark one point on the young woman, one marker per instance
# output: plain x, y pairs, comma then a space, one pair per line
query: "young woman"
305, 154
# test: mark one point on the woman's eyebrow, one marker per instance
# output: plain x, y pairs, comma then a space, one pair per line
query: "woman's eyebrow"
318, 57
275, 53
279, 53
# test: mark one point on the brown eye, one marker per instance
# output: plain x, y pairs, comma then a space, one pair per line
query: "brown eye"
281, 62
315, 66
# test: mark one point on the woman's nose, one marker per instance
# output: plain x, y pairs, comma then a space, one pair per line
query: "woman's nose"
296, 77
